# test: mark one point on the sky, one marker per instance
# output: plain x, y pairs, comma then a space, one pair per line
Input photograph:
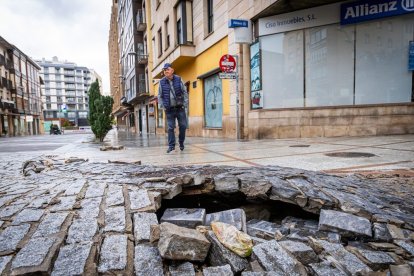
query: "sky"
72, 30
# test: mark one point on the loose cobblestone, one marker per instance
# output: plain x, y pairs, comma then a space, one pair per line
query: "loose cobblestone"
90, 207
115, 219
114, 196
139, 198
10, 238
82, 230
72, 259
142, 226
10, 210
95, 190
35, 256
66, 203
3, 262
113, 253
51, 224
28, 215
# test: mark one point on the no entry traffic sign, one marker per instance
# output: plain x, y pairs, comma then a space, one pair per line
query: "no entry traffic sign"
227, 63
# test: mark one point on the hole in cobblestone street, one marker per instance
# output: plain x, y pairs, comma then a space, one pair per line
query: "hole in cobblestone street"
350, 154
269, 210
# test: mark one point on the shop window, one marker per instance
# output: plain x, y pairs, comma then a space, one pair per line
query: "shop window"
329, 66
282, 70
381, 74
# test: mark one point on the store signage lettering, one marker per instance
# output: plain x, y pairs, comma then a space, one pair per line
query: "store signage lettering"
319, 16
367, 10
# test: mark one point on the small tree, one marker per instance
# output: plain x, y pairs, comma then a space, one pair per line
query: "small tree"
100, 108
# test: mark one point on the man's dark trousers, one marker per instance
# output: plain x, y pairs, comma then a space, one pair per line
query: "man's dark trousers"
176, 113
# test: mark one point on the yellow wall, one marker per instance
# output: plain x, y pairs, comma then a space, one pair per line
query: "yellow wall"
206, 61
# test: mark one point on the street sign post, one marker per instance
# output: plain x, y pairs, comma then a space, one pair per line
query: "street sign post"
227, 63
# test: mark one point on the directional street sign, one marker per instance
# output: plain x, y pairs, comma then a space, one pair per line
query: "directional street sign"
231, 75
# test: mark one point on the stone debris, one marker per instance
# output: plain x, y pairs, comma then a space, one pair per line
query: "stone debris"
106, 148
190, 218
344, 223
180, 243
235, 217
73, 217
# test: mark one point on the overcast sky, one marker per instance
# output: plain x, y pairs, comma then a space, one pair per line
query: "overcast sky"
72, 30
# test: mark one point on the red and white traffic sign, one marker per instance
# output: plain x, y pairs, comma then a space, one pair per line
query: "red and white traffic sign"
227, 63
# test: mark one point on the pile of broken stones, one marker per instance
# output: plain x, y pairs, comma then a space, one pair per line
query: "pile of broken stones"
354, 227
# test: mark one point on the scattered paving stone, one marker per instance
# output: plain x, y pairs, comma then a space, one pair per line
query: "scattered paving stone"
82, 230
407, 246
325, 268
28, 215
51, 224
142, 225
190, 218
66, 203
72, 259
10, 238
220, 255
167, 190
3, 262
398, 233
114, 196
147, 261
381, 232
115, 219
35, 256
341, 257
273, 257
180, 243
180, 269
90, 207
374, 259
218, 271
345, 223
261, 229
235, 217
10, 210
301, 251
397, 270
254, 186
113, 253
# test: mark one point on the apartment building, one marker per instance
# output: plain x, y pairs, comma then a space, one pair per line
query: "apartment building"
20, 94
321, 68
65, 95
116, 88
133, 59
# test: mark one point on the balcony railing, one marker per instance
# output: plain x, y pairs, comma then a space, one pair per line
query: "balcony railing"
141, 21
142, 57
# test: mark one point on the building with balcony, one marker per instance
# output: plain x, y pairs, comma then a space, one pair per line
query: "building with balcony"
305, 69
20, 94
133, 108
65, 93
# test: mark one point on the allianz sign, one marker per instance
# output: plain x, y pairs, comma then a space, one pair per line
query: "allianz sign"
367, 10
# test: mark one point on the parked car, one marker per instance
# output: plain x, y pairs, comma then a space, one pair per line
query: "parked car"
54, 129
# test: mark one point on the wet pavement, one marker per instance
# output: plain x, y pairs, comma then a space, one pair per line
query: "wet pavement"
69, 212
388, 152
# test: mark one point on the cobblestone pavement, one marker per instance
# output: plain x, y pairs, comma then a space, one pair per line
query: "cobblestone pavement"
70, 216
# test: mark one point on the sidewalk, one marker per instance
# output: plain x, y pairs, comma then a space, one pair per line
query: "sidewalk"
352, 153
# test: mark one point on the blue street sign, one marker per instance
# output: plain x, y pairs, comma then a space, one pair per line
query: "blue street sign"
364, 10
237, 23
411, 56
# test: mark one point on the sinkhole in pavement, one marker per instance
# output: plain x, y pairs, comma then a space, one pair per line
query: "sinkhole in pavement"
269, 210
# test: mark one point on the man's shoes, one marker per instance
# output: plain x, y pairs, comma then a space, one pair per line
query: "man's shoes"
182, 147
170, 150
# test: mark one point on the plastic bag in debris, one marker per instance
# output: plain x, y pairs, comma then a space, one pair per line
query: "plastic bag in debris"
233, 239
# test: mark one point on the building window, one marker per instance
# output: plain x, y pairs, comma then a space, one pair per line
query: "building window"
159, 42
209, 16
167, 33
179, 32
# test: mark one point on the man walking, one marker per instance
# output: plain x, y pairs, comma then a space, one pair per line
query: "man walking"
173, 97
